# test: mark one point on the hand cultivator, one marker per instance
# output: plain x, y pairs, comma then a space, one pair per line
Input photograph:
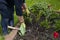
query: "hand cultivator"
22, 29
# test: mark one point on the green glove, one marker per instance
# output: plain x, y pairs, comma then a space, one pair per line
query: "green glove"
22, 29
28, 12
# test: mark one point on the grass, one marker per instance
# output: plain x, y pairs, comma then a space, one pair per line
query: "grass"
1, 38
15, 18
55, 3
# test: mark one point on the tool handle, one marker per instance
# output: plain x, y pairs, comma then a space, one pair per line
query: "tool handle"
13, 28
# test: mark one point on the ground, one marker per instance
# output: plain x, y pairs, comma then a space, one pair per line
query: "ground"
38, 33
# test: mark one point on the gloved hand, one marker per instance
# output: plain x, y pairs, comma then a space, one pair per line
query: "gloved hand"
24, 8
28, 12
22, 29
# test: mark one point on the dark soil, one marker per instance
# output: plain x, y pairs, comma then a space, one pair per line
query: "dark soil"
38, 33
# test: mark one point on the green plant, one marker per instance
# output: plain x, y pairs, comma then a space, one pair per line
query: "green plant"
43, 15
57, 25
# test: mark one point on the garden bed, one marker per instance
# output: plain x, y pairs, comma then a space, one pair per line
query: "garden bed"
37, 34
42, 22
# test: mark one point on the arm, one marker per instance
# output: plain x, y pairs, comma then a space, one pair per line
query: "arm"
24, 4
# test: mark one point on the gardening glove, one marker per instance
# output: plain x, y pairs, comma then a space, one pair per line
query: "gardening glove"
22, 29
28, 12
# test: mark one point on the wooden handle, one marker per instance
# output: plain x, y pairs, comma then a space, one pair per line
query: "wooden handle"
13, 28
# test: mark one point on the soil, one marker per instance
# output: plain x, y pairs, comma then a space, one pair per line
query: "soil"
37, 34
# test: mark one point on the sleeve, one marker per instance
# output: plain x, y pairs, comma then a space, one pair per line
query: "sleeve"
23, 1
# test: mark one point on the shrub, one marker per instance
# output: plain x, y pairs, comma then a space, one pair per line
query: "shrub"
43, 15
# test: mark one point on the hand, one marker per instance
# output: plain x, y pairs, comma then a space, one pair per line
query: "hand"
23, 9
28, 12
22, 29
26, 9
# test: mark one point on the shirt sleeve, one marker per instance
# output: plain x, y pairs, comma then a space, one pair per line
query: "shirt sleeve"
23, 1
